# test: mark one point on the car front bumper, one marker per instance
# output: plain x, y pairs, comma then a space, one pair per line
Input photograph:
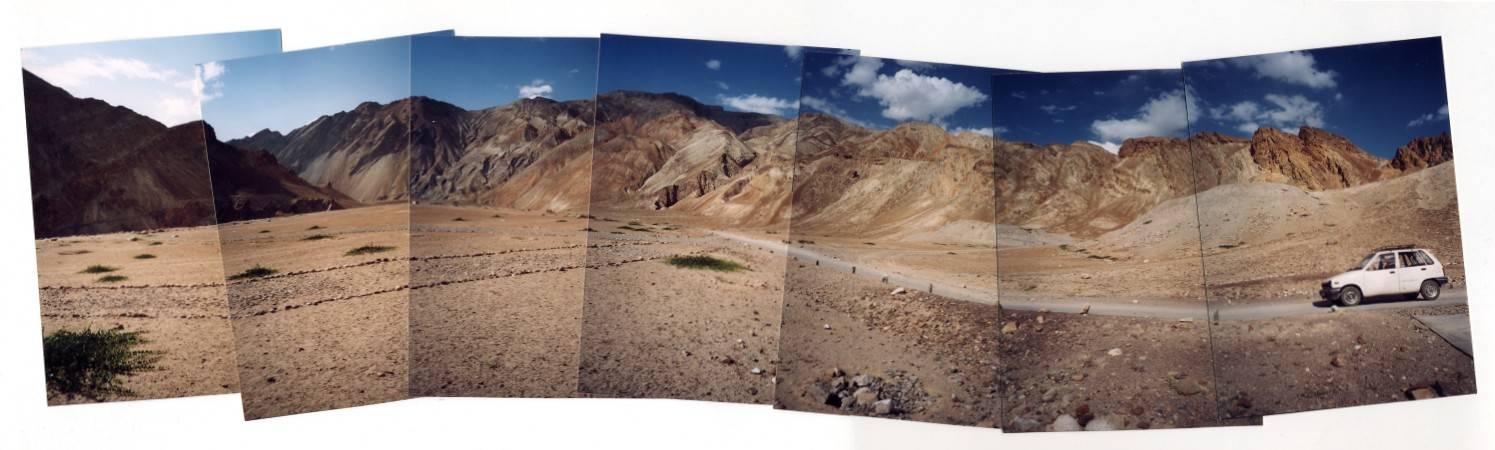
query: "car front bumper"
1329, 292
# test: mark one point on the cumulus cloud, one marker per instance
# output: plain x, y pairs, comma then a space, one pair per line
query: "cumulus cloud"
909, 96
1164, 115
1290, 67
793, 51
723, 86
536, 88
1436, 116
168, 96
714, 64
1286, 112
916, 65
759, 104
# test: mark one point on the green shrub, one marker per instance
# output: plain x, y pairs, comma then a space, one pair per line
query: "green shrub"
704, 262
254, 272
145, 256
316, 237
97, 268
90, 363
367, 249
113, 278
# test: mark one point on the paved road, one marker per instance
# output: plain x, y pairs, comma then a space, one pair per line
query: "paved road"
1155, 308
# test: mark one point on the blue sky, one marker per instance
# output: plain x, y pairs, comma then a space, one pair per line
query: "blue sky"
482, 72
154, 77
1378, 95
1104, 108
740, 77
882, 93
287, 90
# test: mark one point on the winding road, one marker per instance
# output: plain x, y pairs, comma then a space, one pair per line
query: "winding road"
1154, 308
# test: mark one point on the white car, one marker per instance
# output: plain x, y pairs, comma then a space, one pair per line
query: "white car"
1398, 270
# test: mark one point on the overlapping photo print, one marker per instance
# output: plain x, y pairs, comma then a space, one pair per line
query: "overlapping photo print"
1329, 220
310, 158
891, 289
1098, 252
690, 180
131, 282
501, 155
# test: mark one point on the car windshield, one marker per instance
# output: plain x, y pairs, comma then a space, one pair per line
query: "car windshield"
1363, 262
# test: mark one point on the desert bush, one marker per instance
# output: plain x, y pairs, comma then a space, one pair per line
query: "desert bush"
113, 278
367, 249
98, 268
90, 363
316, 237
145, 256
704, 262
254, 272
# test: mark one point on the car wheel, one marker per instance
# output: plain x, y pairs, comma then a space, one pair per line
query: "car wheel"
1350, 296
1430, 290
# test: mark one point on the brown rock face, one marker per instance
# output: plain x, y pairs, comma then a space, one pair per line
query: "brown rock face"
251, 184
1081, 189
667, 151
1424, 152
1313, 159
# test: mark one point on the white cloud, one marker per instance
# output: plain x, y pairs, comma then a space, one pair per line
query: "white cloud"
1164, 115
759, 104
77, 71
714, 64
793, 51
1289, 67
827, 107
862, 73
1281, 111
178, 110
1056, 109
986, 131
723, 86
536, 88
909, 96
1111, 147
1440, 115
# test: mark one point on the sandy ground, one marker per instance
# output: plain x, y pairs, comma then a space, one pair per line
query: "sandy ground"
176, 299
652, 330
928, 358
496, 305
950, 263
1332, 360
1124, 372
329, 329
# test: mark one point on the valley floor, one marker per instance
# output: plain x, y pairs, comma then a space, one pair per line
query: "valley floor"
496, 305
654, 330
174, 297
329, 327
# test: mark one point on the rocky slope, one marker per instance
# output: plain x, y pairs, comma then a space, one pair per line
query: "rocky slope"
1424, 152
362, 153
668, 151
98, 168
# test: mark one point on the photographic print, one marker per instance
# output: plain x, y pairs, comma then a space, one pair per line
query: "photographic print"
501, 158
1098, 254
130, 276
690, 174
1329, 217
311, 185
890, 307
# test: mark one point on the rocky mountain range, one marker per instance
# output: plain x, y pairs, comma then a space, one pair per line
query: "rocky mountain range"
100, 168
1080, 190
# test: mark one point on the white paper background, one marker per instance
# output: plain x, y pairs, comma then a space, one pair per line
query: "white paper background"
1038, 36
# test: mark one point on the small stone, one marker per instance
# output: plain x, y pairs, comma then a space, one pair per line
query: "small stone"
864, 396
883, 407
1066, 423
899, 291
862, 380
826, 326
1077, 377
1085, 309
1114, 352
1422, 393
1102, 423
1049, 395
1336, 361
1009, 328
756, 371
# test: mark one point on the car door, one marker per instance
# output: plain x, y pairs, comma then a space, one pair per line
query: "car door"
1381, 277
1413, 270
